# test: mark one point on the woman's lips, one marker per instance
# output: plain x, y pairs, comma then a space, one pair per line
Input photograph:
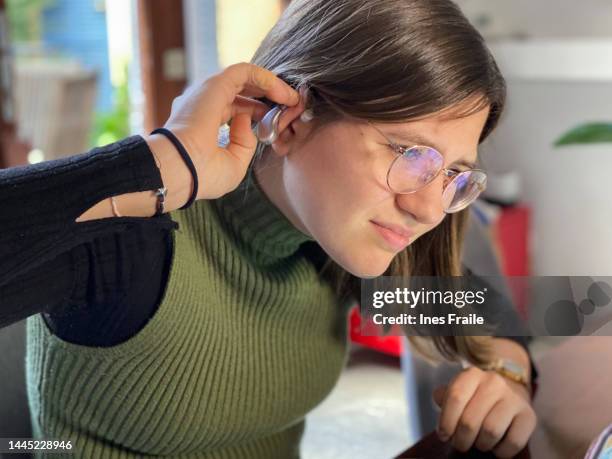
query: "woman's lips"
395, 240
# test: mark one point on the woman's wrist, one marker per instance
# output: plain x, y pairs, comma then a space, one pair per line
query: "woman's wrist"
521, 389
504, 348
176, 176
508, 349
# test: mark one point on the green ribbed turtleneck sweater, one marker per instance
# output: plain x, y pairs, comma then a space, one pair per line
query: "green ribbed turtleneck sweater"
247, 340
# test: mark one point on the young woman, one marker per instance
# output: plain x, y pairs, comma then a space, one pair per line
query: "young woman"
211, 328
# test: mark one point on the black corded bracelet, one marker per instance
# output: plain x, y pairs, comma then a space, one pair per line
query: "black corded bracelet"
161, 193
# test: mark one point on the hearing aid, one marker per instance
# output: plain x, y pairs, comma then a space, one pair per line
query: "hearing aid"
307, 114
267, 128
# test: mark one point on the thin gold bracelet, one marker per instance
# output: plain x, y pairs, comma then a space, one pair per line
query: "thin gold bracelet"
160, 203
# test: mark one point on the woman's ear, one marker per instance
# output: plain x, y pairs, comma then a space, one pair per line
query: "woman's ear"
293, 125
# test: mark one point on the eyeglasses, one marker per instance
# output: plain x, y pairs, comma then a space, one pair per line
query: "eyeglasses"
416, 167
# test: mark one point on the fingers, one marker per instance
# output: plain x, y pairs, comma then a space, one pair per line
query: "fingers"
253, 81
242, 140
495, 425
517, 436
487, 395
438, 395
456, 398
480, 409
254, 108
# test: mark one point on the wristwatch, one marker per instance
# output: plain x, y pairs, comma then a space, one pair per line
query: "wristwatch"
511, 370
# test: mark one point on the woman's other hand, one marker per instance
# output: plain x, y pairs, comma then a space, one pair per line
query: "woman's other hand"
485, 410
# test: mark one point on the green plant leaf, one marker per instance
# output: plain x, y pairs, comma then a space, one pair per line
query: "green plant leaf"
114, 125
587, 133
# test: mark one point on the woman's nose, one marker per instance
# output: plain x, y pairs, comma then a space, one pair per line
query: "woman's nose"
426, 204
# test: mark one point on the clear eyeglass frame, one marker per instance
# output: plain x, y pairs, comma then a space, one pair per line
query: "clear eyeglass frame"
451, 180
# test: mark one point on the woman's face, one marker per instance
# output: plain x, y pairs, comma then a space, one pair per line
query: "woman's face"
332, 184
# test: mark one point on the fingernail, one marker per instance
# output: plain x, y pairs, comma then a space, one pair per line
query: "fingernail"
295, 96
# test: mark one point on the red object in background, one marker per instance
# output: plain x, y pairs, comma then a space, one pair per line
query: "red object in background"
510, 234
391, 345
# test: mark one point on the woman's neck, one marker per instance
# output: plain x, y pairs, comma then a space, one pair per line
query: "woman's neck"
268, 171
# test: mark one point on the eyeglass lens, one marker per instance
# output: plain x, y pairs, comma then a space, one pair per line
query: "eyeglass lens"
419, 166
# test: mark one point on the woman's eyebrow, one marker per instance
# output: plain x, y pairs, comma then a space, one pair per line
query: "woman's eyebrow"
419, 139
468, 164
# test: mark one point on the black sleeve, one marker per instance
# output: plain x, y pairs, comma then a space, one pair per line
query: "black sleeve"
40, 203
119, 285
44, 288
101, 292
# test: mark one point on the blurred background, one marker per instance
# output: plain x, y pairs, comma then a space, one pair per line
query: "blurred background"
75, 74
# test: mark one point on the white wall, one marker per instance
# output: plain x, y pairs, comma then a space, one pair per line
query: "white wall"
559, 74
569, 188
540, 18
201, 38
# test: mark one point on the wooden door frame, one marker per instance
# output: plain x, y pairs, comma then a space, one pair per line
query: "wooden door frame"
161, 37
12, 151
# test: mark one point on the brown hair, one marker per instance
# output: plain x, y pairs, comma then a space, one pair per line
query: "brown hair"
391, 61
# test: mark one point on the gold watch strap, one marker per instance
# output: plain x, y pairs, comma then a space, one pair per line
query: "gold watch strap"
511, 370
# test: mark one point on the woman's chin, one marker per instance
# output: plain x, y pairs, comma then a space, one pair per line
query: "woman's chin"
368, 270
363, 264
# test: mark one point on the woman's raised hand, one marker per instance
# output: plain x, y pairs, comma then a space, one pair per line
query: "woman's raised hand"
200, 111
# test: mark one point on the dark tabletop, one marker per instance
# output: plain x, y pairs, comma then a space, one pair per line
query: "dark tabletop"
430, 447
